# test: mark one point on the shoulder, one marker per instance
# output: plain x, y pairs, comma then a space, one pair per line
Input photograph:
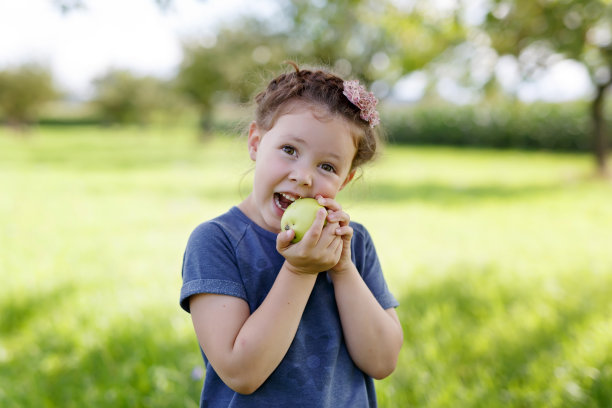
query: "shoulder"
359, 229
227, 227
363, 251
361, 235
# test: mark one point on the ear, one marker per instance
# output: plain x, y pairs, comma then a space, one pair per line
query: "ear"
348, 178
254, 140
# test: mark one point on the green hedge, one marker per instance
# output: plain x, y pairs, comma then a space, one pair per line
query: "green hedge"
533, 126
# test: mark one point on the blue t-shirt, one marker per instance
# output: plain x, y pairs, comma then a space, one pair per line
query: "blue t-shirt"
231, 255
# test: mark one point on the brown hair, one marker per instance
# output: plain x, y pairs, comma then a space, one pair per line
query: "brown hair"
318, 88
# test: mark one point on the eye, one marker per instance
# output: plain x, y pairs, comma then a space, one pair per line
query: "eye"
328, 167
290, 150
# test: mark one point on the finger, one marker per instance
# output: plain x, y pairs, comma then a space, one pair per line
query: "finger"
339, 246
283, 239
328, 234
345, 232
336, 244
334, 247
329, 203
339, 216
314, 232
330, 227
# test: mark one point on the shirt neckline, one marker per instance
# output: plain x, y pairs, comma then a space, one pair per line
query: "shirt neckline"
261, 231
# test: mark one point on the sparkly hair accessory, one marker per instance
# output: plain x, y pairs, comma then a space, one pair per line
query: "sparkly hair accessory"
364, 100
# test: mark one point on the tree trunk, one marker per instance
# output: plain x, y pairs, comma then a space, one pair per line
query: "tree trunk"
206, 126
600, 141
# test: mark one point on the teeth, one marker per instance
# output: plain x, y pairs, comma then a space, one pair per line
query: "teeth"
288, 197
277, 202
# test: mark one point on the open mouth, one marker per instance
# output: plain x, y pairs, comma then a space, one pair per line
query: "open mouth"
283, 200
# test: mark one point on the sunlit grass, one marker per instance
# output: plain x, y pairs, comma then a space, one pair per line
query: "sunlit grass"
502, 263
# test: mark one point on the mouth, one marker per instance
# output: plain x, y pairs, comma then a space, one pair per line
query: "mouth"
283, 200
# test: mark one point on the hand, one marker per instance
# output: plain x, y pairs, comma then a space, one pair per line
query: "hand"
318, 251
340, 218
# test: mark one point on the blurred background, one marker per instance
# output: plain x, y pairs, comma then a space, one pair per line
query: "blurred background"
122, 128
475, 66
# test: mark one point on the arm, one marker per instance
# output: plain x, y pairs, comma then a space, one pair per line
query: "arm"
373, 335
246, 348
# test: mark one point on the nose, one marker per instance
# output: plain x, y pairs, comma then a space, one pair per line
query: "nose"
302, 175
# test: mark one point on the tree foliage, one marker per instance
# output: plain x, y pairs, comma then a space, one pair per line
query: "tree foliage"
24, 90
228, 66
578, 30
380, 41
123, 97
419, 32
344, 34
539, 32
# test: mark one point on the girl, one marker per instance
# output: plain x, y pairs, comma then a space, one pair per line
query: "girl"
294, 325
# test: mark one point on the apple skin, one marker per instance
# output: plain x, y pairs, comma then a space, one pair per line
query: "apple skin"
299, 216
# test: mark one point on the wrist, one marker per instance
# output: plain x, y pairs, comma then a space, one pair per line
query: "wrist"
343, 270
300, 272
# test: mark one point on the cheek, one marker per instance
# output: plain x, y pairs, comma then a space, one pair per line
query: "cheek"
329, 189
269, 169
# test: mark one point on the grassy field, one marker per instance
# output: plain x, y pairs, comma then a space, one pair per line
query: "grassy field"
502, 262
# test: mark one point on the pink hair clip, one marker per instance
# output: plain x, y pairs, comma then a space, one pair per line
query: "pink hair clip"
364, 100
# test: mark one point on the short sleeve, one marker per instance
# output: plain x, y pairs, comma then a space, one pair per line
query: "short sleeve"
367, 263
210, 265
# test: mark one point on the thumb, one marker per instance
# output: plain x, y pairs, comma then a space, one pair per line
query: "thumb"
283, 239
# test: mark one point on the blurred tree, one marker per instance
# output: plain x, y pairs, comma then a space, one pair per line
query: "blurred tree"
23, 92
229, 65
122, 97
538, 32
344, 34
420, 32
66, 6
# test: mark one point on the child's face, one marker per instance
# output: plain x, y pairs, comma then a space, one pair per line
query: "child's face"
300, 156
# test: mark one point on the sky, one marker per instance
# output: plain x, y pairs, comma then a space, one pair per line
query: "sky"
137, 35
132, 34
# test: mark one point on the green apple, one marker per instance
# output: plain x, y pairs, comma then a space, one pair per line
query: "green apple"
299, 216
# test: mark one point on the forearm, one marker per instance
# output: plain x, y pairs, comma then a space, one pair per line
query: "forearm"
373, 335
266, 335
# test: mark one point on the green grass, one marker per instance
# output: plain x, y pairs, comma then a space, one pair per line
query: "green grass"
502, 262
